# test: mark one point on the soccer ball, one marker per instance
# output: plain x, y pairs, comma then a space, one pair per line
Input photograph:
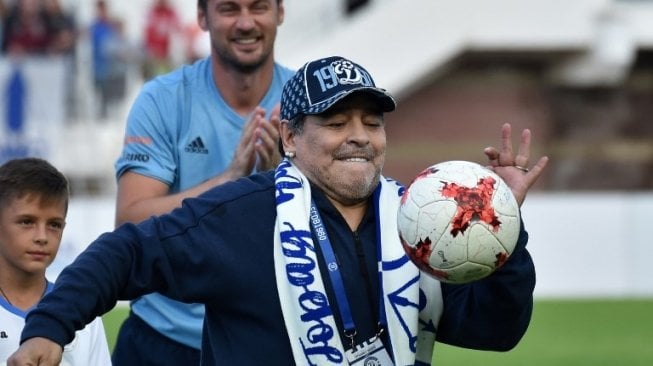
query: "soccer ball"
458, 221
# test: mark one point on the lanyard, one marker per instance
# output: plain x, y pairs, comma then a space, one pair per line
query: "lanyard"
336, 278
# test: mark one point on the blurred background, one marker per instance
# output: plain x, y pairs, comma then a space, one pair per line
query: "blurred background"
578, 73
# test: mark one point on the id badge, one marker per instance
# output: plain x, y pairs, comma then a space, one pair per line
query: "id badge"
369, 353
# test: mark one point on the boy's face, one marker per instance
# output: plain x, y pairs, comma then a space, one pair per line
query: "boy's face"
30, 234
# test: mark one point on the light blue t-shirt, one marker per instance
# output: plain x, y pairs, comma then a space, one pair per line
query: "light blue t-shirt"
182, 132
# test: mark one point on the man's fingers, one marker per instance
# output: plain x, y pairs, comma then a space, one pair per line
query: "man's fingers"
523, 153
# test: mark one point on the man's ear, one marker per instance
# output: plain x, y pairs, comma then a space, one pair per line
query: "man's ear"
201, 19
286, 136
281, 13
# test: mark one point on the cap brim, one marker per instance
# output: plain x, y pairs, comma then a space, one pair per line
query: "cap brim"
386, 101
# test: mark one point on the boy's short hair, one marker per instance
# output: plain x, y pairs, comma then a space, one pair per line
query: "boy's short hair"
22, 176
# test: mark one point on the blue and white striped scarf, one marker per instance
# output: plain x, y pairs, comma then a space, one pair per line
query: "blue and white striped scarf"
307, 313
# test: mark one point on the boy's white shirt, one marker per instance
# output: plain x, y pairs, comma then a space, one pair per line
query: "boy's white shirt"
88, 348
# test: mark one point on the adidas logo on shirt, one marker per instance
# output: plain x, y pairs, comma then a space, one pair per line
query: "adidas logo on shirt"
196, 146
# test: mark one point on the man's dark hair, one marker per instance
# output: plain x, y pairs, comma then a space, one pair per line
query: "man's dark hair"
202, 4
296, 125
19, 177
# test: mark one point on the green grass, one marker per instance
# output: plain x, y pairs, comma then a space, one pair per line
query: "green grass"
573, 333
112, 321
561, 333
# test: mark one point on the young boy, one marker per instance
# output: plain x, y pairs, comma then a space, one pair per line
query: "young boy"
33, 207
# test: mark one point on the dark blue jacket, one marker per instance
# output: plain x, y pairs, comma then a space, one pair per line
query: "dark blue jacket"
218, 250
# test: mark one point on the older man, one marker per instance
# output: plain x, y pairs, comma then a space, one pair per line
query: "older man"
302, 265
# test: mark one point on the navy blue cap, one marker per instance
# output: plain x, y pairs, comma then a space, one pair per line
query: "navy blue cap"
320, 84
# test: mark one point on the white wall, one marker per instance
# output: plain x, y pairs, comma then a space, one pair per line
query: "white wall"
591, 244
583, 244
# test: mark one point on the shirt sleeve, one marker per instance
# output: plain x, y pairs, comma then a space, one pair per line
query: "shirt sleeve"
149, 145
89, 347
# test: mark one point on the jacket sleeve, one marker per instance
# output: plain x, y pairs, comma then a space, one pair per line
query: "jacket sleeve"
492, 313
163, 254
